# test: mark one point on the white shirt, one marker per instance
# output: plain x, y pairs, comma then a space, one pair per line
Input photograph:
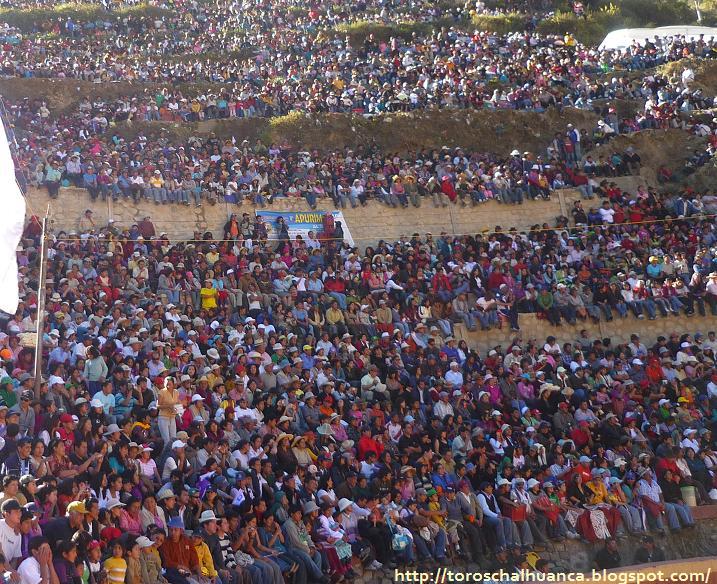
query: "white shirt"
712, 390
10, 542
690, 443
169, 465
443, 409
29, 571
555, 348
487, 511
650, 490
607, 215
710, 344
242, 459
454, 378
367, 469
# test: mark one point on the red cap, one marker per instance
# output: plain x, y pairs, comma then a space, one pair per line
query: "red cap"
66, 419
93, 544
110, 533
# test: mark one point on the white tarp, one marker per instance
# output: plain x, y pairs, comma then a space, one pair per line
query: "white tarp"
12, 221
623, 38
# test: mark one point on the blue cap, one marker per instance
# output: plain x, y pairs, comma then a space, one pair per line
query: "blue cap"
176, 522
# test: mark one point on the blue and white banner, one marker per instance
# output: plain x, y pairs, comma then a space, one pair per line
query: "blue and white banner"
300, 223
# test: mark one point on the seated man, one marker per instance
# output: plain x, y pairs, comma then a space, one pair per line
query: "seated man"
672, 493
655, 503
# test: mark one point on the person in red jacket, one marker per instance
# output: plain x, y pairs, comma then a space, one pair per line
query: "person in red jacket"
368, 444
581, 435
666, 463
448, 189
441, 285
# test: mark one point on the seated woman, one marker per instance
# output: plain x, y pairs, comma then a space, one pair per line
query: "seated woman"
333, 536
598, 520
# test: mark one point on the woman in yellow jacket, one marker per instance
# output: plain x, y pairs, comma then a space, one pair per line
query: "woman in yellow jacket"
208, 294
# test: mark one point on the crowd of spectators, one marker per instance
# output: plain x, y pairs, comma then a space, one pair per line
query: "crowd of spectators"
253, 410
83, 148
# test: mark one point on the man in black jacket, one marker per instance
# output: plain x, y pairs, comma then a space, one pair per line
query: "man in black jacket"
18, 462
609, 556
648, 552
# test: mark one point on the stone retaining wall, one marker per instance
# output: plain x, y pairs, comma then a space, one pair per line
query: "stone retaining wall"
367, 224
619, 330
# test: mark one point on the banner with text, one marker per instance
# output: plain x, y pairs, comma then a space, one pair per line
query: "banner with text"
300, 223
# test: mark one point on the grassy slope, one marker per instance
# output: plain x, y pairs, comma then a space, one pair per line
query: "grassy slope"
486, 131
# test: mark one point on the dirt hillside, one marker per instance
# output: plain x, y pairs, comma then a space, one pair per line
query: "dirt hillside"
705, 73
655, 147
499, 131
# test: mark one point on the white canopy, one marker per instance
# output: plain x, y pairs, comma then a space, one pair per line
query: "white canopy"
623, 38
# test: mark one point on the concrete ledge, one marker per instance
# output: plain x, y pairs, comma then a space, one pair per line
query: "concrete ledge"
704, 512
619, 330
677, 569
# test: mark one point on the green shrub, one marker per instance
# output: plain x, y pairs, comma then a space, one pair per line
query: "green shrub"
590, 30
614, 14
652, 12
358, 31
500, 24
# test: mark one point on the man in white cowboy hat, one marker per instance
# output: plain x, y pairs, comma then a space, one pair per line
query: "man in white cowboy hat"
690, 440
208, 532
132, 348
454, 376
197, 409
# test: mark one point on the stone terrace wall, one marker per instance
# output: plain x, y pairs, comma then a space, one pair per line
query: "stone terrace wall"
367, 224
576, 556
691, 551
619, 330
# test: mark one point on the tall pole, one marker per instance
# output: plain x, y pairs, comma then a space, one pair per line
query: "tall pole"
41, 305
